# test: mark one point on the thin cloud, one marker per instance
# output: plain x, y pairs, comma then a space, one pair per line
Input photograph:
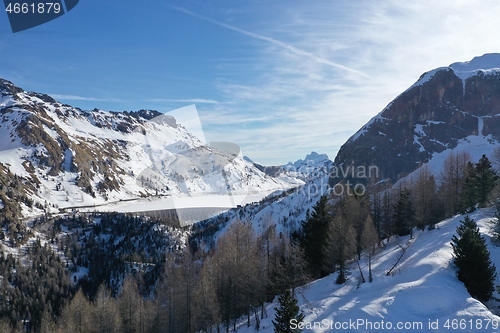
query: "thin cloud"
284, 45
82, 98
231, 118
187, 100
393, 42
156, 100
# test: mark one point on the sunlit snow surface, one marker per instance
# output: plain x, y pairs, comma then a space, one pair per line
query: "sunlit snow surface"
475, 145
488, 64
424, 288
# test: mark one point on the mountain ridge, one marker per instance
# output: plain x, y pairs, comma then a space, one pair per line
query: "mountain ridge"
443, 108
69, 157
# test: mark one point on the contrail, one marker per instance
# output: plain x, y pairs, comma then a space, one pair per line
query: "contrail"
284, 45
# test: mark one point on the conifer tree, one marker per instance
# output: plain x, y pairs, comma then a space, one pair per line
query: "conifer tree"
314, 230
403, 214
291, 270
468, 195
369, 239
340, 243
206, 306
452, 180
287, 314
129, 303
428, 205
77, 316
472, 259
485, 180
386, 228
357, 209
479, 182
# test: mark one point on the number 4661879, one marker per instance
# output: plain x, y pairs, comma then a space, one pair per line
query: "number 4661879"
32, 8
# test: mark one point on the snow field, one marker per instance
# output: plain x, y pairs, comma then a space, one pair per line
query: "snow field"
423, 294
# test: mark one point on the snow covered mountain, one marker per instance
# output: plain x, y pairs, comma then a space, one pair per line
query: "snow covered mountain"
450, 108
301, 168
57, 156
311, 161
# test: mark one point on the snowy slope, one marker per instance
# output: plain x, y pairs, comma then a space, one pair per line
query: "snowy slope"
488, 64
423, 290
475, 145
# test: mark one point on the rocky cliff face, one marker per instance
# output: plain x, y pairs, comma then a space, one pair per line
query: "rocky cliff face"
443, 108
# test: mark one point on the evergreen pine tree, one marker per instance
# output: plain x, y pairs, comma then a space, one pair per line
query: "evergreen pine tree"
314, 230
472, 259
287, 311
403, 214
468, 195
437, 210
485, 180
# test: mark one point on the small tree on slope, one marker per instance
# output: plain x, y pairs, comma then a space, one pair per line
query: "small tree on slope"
287, 311
472, 259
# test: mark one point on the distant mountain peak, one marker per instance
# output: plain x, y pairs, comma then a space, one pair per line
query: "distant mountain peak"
311, 160
316, 157
8, 88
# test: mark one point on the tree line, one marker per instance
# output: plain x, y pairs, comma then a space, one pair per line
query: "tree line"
201, 291
345, 228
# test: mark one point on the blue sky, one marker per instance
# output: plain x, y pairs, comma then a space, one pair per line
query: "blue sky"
280, 78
